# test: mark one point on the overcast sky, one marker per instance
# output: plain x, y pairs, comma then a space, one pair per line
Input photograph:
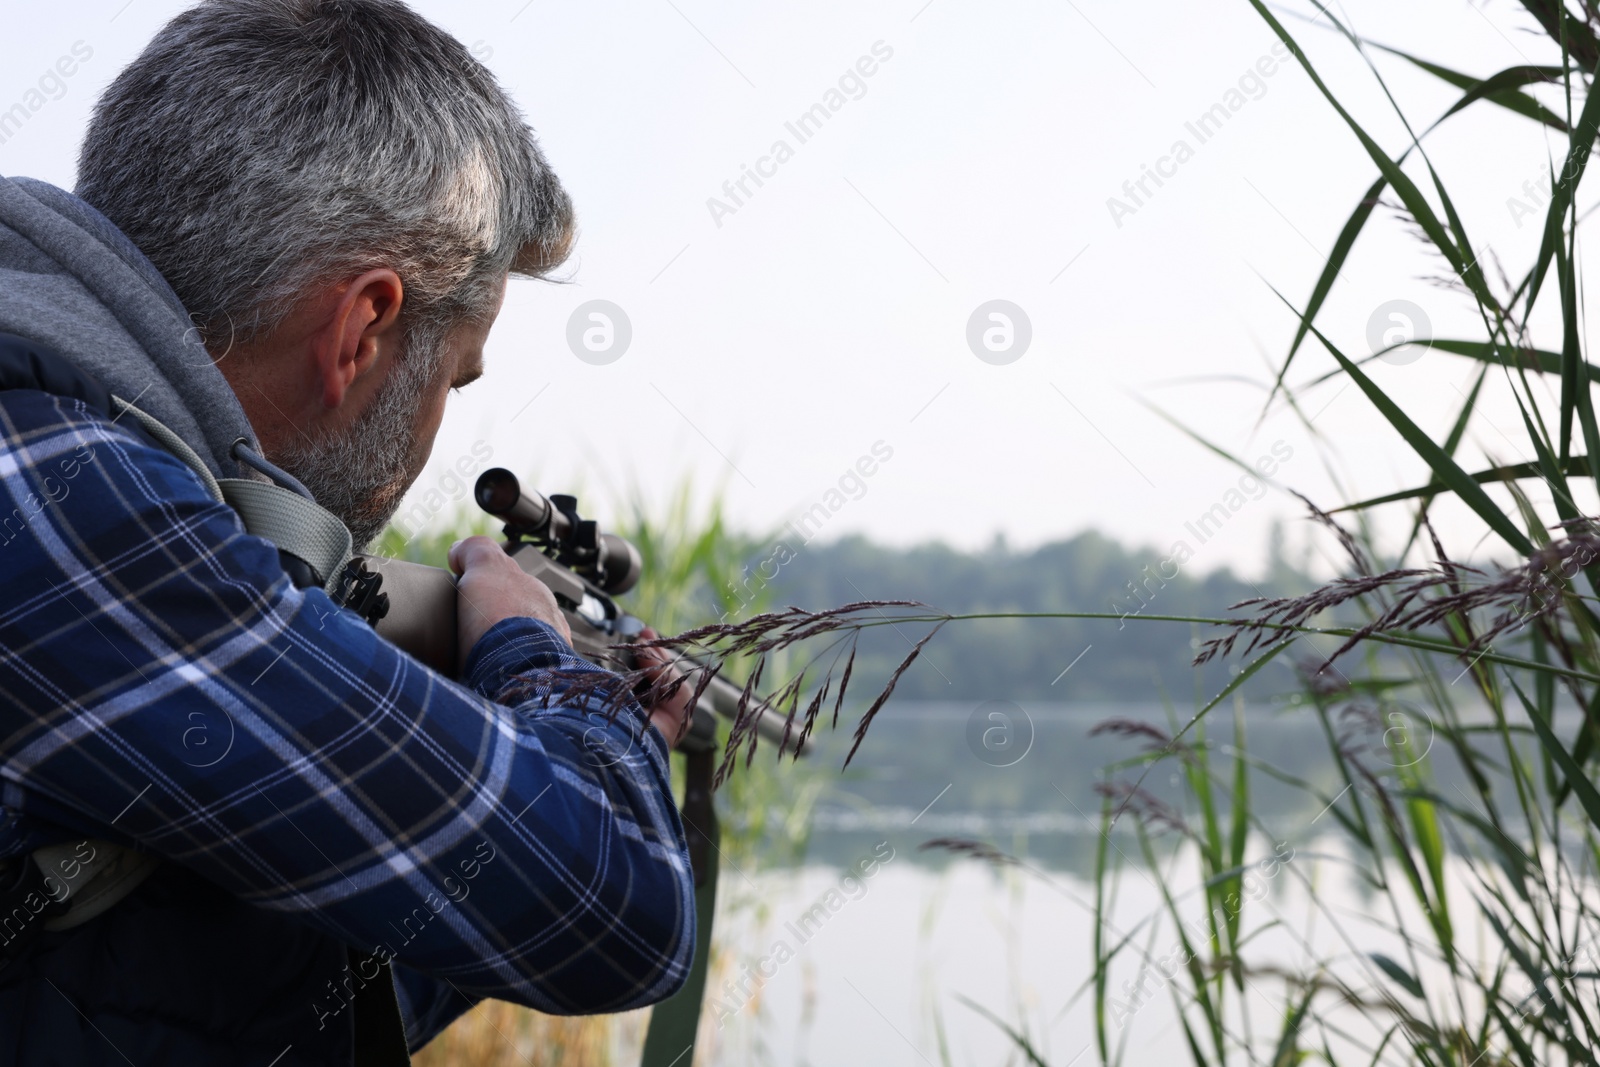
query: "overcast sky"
779, 334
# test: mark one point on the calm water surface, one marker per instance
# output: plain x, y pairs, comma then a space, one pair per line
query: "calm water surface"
826, 965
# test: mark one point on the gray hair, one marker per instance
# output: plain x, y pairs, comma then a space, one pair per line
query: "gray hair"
257, 148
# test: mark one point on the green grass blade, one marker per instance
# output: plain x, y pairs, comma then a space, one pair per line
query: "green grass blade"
1581, 786
1203, 442
1102, 967
1505, 473
1421, 211
1444, 467
1535, 359
1507, 853
1501, 88
1576, 38
1330, 273
1017, 1039
1574, 396
1398, 974
1452, 441
1241, 792
1287, 1054
1565, 186
1585, 745
1227, 691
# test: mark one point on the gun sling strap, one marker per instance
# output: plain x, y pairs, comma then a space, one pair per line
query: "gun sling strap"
296, 524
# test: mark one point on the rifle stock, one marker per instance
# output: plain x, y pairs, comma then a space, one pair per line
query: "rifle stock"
421, 620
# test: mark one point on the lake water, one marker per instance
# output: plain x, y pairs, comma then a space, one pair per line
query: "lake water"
822, 966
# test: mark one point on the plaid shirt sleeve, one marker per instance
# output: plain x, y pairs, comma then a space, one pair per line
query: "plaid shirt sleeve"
166, 685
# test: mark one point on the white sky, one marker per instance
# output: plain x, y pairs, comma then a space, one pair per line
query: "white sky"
829, 312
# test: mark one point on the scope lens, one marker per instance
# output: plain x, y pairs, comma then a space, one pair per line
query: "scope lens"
497, 491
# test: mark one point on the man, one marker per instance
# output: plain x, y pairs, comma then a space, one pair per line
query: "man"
293, 227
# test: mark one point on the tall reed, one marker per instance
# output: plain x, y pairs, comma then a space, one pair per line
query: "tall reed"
1467, 824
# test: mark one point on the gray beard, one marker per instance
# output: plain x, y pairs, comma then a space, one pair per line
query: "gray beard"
362, 472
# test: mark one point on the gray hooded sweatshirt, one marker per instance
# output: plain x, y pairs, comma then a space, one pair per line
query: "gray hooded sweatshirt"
74, 283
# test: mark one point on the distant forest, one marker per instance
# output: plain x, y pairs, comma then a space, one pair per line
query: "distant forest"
1128, 660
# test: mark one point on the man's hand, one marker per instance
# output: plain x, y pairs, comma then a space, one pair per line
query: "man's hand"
492, 588
671, 716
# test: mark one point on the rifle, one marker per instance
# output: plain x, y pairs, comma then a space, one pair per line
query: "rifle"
586, 569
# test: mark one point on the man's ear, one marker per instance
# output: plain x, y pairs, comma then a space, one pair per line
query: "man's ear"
361, 331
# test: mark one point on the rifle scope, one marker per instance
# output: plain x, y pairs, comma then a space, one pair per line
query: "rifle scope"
554, 525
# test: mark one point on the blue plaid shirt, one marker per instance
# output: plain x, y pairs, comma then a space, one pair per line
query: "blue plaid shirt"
165, 685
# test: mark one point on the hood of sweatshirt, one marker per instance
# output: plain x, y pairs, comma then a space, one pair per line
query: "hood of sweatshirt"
74, 283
